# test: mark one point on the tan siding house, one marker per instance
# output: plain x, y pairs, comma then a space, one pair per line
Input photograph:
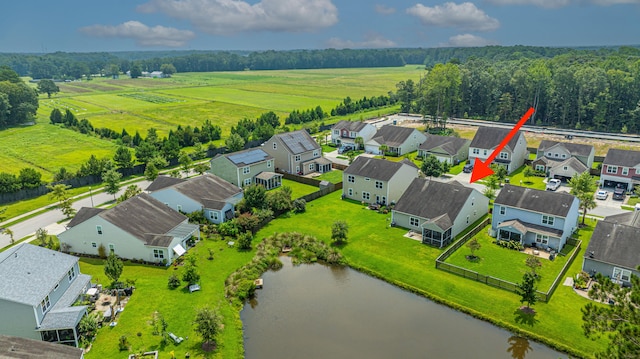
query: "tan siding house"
372, 180
297, 152
241, 168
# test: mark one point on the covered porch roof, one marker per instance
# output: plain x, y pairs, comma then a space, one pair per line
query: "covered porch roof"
525, 227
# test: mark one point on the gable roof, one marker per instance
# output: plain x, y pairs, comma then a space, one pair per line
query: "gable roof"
40, 267
375, 168
83, 214
547, 202
355, 126
247, 157
575, 149
207, 187
450, 145
626, 158
142, 215
490, 137
572, 162
393, 136
615, 243
298, 142
20, 348
163, 181
432, 199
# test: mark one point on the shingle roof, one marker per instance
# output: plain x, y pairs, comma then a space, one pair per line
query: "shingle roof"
616, 244
39, 267
248, 157
431, 199
525, 227
490, 137
548, 202
575, 149
355, 126
375, 168
207, 187
450, 145
143, 214
20, 348
83, 214
393, 136
163, 182
298, 141
626, 158
572, 162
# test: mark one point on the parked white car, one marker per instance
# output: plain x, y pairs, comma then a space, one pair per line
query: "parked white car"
602, 194
553, 184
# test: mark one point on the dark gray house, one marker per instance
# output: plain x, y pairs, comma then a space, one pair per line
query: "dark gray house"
614, 249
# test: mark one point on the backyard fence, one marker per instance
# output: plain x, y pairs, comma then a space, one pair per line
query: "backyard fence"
312, 182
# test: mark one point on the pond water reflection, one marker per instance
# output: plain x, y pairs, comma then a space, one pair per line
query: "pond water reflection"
317, 311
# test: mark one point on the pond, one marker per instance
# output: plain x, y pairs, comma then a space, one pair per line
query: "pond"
318, 311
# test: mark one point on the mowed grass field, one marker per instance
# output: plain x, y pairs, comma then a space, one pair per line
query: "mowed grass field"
185, 99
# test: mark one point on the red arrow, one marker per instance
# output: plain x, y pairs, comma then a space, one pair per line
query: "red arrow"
482, 169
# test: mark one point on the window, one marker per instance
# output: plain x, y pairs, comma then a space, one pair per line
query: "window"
504, 155
350, 191
413, 221
275, 146
564, 156
620, 274
548, 220
367, 179
625, 171
179, 207
99, 229
56, 287
112, 248
565, 168
269, 164
297, 159
378, 184
612, 169
467, 219
247, 181
71, 274
94, 244
45, 304
352, 134
484, 152
539, 167
312, 167
503, 210
366, 195
214, 215
351, 179
549, 154
158, 254
246, 170
556, 155
336, 132
476, 151
542, 239
316, 153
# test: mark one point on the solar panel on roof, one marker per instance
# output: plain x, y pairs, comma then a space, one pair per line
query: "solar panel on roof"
297, 142
248, 157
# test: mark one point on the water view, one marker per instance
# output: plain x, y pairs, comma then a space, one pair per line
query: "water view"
316, 311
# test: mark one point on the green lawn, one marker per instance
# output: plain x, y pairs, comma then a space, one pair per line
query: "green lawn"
531, 182
505, 264
298, 189
334, 176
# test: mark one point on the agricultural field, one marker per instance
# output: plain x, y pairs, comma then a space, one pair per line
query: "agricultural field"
185, 99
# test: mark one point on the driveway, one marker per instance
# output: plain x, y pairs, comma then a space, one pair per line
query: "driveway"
333, 157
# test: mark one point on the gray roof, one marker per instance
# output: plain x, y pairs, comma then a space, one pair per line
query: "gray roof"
615, 244
63, 318
626, 158
375, 168
450, 145
525, 227
40, 267
490, 137
547, 202
21, 348
432, 199
266, 175
393, 136
83, 214
163, 181
575, 149
143, 214
298, 141
571, 162
354, 126
207, 187
248, 157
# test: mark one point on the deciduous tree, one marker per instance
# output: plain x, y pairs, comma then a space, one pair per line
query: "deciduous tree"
339, 231
113, 268
111, 179
527, 289
48, 86
208, 324
583, 186
59, 193
234, 142
123, 158
431, 167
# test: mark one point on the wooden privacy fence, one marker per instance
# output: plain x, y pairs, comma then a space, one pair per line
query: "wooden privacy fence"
497, 282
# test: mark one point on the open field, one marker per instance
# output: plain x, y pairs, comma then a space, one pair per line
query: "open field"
185, 99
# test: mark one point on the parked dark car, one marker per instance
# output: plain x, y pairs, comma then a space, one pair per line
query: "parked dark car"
618, 193
468, 168
345, 149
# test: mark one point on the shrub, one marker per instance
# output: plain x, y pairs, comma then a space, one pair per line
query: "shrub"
123, 343
228, 229
174, 281
102, 251
299, 205
244, 241
515, 245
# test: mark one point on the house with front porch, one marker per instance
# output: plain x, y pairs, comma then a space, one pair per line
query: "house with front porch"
486, 139
544, 219
563, 160
344, 133
452, 150
247, 167
614, 248
208, 193
372, 180
439, 211
38, 291
297, 152
139, 228
399, 140
620, 168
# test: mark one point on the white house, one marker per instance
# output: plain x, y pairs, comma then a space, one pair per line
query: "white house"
399, 140
344, 132
487, 139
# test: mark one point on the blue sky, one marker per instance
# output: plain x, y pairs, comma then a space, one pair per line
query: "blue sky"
125, 25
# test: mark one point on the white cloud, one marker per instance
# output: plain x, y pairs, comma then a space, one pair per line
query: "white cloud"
371, 41
463, 16
384, 10
233, 16
142, 34
562, 3
469, 40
